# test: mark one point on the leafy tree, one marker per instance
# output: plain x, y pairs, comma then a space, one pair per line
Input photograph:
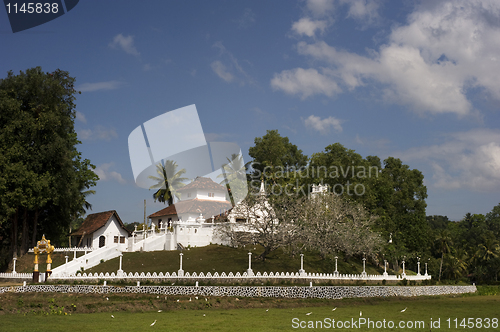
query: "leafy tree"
273, 155
395, 193
42, 175
169, 180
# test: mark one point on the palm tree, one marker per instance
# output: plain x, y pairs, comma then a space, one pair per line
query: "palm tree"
443, 241
169, 180
234, 174
456, 265
86, 204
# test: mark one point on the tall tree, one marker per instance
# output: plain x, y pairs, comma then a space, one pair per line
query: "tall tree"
42, 174
169, 180
274, 155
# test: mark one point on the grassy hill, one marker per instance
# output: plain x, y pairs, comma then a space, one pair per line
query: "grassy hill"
215, 258
212, 258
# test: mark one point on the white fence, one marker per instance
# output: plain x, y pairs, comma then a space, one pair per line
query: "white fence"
67, 249
16, 275
237, 275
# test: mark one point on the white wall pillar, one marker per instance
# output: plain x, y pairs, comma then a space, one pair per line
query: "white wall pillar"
250, 271
302, 271
363, 274
180, 273
120, 271
385, 268
14, 267
418, 266
336, 273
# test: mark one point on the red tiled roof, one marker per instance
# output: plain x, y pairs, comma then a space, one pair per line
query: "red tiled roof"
203, 183
206, 207
95, 221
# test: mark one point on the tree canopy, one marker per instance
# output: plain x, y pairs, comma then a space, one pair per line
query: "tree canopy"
42, 174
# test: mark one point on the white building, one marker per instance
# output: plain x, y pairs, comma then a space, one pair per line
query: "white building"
101, 230
190, 221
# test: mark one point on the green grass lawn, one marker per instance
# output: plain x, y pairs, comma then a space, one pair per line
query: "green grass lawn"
212, 258
272, 317
215, 258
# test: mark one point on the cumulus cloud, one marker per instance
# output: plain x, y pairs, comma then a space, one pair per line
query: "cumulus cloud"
125, 43
308, 27
306, 82
364, 11
107, 175
320, 8
98, 133
445, 50
221, 71
108, 85
323, 125
466, 160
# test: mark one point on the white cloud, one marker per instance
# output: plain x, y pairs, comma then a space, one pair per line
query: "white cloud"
229, 68
308, 27
320, 8
98, 133
430, 64
80, 117
323, 126
109, 85
221, 71
147, 67
305, 82
125, 43
106, 175
364, 11
247, 19
466, 160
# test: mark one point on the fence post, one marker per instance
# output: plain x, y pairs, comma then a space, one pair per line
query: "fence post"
249, 271
180, 273
120, 271
302, 272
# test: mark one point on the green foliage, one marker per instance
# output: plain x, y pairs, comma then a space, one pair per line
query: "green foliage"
169, 179
276, 153
42, 174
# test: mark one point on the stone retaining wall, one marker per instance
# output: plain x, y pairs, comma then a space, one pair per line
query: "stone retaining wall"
325, 292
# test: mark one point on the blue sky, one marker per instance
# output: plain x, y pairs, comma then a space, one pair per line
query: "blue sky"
418, 81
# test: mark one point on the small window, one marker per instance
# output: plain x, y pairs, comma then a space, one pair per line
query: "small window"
211, 194
122, 239
116, 239
189, 195
241, 220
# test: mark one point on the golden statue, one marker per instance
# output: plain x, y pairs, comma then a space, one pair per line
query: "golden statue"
43, 246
